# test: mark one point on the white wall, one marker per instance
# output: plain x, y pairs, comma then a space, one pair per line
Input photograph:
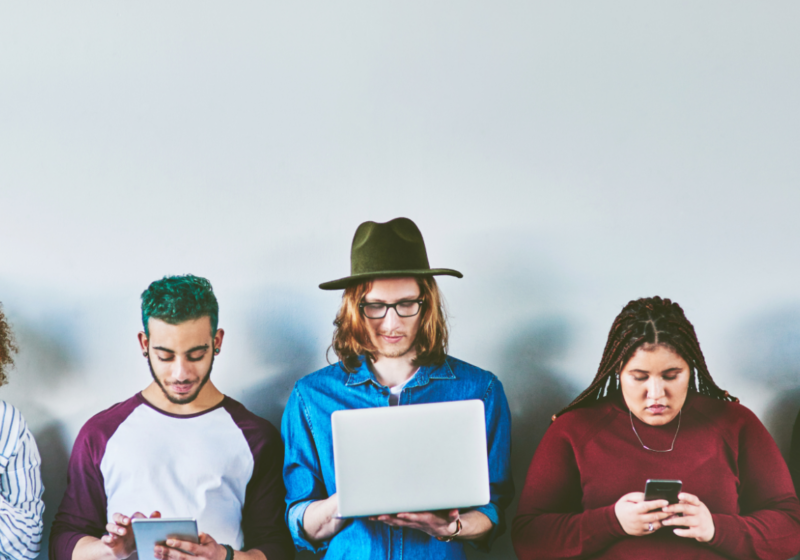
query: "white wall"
567, 157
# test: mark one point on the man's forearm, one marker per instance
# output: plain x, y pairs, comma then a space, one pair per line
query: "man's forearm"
319, 520
91, 548
249, 555
474, 526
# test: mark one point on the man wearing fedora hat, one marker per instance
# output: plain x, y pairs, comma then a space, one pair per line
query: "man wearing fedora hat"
391, 341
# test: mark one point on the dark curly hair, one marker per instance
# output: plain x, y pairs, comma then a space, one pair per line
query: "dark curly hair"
7, 347
649, 321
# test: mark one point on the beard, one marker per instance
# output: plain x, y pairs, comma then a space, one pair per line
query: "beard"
385, 350
395, 352
188, 398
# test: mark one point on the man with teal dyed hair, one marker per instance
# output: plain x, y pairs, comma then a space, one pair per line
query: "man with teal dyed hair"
179, 448
172, 301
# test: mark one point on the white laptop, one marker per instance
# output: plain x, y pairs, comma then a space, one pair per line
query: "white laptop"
419, 457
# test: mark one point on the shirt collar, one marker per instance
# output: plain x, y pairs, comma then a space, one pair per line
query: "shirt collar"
426, 373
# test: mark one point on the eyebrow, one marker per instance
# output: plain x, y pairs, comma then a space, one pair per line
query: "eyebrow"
189, 351
648, 371
406, 298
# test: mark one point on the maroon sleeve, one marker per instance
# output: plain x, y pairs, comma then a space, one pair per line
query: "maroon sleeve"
83, 509
768, 526
550, 520
264, 502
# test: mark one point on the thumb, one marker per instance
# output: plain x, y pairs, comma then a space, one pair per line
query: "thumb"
205, 538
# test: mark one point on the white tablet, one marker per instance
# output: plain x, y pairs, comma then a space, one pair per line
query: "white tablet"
150, 532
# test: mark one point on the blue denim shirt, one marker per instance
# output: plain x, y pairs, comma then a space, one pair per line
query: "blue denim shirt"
308, 467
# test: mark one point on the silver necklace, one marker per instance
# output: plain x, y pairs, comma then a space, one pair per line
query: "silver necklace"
657, 450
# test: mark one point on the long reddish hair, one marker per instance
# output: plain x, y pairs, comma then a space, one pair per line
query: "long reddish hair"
351, 338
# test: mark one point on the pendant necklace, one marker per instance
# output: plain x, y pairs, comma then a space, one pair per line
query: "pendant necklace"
657, 450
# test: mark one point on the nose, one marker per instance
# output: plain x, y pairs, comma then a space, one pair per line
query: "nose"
181, 369
392, 320
655, 387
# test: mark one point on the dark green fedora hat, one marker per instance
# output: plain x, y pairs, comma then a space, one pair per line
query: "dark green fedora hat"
395, 248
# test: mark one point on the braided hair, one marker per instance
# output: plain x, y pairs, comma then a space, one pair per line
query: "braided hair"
645, 322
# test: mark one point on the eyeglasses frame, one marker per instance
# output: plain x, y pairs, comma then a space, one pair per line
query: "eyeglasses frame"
363, 304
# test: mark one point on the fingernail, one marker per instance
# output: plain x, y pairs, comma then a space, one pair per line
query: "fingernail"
170, 542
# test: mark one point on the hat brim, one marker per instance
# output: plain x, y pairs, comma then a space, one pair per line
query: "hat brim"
342, 283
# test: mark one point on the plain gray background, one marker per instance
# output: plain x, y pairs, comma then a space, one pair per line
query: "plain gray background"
565, 156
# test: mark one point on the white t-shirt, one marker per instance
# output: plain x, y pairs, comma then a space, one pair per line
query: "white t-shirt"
394, 392
221, 466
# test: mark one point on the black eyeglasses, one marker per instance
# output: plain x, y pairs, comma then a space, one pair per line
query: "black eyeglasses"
405, 308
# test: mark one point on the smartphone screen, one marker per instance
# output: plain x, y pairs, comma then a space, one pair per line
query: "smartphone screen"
662, 490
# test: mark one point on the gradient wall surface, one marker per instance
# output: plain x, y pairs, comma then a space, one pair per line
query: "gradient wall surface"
566, 157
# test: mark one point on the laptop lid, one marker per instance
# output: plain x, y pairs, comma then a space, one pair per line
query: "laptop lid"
420, 457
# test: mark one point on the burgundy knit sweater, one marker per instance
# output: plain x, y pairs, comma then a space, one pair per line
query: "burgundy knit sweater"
590, 457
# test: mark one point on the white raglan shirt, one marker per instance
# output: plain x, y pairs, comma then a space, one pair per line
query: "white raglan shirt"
222, 466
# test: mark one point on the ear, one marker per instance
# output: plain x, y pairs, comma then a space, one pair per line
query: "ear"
143, 341
218, 338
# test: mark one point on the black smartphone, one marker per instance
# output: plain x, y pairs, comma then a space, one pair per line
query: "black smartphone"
662, 490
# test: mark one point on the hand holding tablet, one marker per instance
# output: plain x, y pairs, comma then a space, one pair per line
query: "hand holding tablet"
154, 535
120, 537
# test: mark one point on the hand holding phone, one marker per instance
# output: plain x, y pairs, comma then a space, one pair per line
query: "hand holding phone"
638, 517
691, 519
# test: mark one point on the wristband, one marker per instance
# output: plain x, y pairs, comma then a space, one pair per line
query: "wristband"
454, 535
228, 551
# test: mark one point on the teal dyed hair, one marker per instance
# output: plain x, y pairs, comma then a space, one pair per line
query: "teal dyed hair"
177, 299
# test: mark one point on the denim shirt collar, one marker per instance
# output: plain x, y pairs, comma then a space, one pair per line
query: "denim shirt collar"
423, 376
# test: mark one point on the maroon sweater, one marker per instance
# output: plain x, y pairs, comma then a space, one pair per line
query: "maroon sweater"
590, 457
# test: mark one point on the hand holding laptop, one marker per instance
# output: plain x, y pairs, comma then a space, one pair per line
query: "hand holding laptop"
442, 523
468, 525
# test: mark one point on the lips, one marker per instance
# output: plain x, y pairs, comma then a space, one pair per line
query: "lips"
656, 409
182, 389
391, 339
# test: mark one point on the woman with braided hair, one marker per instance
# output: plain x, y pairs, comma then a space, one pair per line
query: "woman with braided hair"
654, 412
